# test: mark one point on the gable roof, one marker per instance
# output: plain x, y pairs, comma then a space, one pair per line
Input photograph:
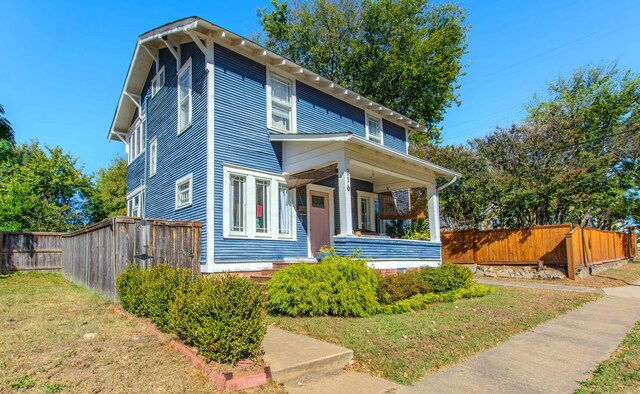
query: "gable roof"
184, 30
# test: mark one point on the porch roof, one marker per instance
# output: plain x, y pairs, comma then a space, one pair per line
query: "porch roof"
349, 139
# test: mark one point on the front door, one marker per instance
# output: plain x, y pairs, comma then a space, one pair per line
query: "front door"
319, 221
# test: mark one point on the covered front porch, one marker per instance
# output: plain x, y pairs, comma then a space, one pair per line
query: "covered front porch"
349, 189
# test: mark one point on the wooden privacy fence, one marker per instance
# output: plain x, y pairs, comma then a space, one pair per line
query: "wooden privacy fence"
95, 256
30, 251
557, 245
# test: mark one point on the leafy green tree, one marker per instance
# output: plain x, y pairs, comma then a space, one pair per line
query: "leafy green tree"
108, 194
6, 130
404, 54
41, 190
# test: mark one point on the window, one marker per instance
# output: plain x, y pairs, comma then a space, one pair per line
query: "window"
184, 97
136, 140
153, 157
184, 193
257, 205
134, 205
157, 82
281, 103
237, 196
374, 129
369, 213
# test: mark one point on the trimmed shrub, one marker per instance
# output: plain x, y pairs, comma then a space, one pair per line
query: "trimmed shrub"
422, 301
159, 288
448, 277
222, 316
337, 286
128, 286
398, 287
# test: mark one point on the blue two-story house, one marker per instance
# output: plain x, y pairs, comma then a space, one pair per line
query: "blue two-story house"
273, 159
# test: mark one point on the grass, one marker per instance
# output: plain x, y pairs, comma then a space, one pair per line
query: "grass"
613, 277
621, 373
43, 319
406, 347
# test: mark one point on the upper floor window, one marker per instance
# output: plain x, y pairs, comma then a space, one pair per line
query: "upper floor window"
374, 129
184, 97
136, 141
153, 157
257, 205
184, 191
157, 82
281, 103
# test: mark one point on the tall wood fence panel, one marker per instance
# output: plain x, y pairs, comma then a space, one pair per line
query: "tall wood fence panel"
95, 256
559, 245
33, 251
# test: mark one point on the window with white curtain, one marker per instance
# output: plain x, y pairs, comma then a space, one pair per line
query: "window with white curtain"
374, 129
184, 191
257, 205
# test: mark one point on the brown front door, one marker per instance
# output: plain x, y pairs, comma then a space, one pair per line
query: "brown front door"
319, 233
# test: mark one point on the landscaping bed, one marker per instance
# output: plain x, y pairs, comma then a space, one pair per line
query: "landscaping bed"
406, 347
59, 337
621, 373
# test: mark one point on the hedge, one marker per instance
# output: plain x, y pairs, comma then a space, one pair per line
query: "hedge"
222, 316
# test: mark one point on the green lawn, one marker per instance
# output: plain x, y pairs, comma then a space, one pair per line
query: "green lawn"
406, 347
619, 374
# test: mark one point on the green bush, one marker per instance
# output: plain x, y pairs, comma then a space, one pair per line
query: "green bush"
128, 286
448, 277
159, 288
422, 301
398, 287
337, 286
222, 316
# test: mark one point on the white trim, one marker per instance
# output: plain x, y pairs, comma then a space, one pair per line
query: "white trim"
156, 88
211, 169
406, 140
372, 214
183, 69
137, 192
331, 195
391, 264
153, 157
344, 197
186, 178
240, 267
134, 191
251, 176
137, 131
293, 123
368, 115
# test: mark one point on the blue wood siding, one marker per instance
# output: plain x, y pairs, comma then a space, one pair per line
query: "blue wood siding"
386, 248
394, 136
242, 138
319, 112
178, 155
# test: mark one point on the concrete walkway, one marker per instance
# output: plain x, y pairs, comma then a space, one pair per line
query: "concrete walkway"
552, 358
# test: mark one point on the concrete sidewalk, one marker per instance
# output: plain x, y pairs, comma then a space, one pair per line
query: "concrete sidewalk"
552, 358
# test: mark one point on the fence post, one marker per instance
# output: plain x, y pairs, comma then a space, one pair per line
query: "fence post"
571, 264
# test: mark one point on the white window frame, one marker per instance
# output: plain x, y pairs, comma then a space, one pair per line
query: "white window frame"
136, 140
187, 178
250, 205
186, 67
153, 157
378, 119
157, 83
372, 197
137, 192
293, 124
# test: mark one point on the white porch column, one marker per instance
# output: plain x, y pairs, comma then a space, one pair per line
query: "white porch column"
344, 197
433, 202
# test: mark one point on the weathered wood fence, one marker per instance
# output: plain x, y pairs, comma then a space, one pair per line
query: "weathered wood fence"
94, 256
558, 245
30, 252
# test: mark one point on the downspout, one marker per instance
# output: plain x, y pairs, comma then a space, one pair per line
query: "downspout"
446, 185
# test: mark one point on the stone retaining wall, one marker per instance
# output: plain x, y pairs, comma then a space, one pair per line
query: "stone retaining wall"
516, 271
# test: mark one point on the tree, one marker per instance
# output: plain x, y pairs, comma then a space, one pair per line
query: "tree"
108, 194
41, 190
6, 130
575, 159
403, 54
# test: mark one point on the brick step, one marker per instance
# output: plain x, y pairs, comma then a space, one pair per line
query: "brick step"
260, 279
268, 272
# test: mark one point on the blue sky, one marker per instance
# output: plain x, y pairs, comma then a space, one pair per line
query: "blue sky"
63, 65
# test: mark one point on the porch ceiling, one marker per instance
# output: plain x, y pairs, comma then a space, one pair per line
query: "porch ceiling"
385, 168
